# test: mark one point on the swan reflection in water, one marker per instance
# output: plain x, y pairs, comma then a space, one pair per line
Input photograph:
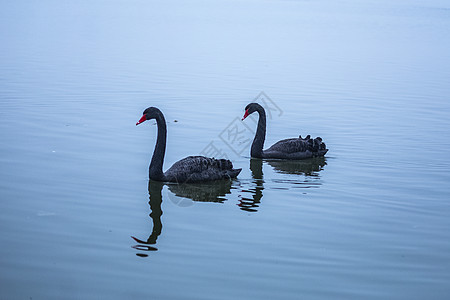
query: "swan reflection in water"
306, 171
251, 204
211, 191
214, 191
155, 196
218, 191
310, 168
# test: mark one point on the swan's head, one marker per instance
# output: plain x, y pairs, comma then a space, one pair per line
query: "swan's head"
148, 114
251, 108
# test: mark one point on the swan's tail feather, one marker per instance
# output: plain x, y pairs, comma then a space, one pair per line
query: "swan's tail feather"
225, 164
233, 172
316, 146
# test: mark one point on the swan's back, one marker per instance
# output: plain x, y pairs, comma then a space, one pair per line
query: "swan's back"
296, 148
200, 168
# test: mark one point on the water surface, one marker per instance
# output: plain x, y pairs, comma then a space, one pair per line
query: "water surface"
369, 221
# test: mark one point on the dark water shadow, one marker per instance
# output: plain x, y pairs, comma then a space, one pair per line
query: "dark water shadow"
215, 191
307, 167
307, 171
256, 190
155, 196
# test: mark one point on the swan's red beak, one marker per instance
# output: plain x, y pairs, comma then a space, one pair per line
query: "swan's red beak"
245, 115
144, 118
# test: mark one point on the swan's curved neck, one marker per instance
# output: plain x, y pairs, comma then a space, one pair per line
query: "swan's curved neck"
258, 142
155, 170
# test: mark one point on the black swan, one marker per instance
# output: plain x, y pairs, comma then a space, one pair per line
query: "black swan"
189, 169
295, 148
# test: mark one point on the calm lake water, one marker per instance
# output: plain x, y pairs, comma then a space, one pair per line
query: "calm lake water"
369, 221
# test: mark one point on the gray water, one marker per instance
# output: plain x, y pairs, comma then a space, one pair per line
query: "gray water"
369, 221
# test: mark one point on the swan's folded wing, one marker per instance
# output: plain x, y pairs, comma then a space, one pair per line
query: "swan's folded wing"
199, 168
295, 145
289, 146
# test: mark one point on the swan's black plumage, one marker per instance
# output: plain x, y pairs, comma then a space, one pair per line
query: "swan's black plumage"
189, 169
200, 168
294, 148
